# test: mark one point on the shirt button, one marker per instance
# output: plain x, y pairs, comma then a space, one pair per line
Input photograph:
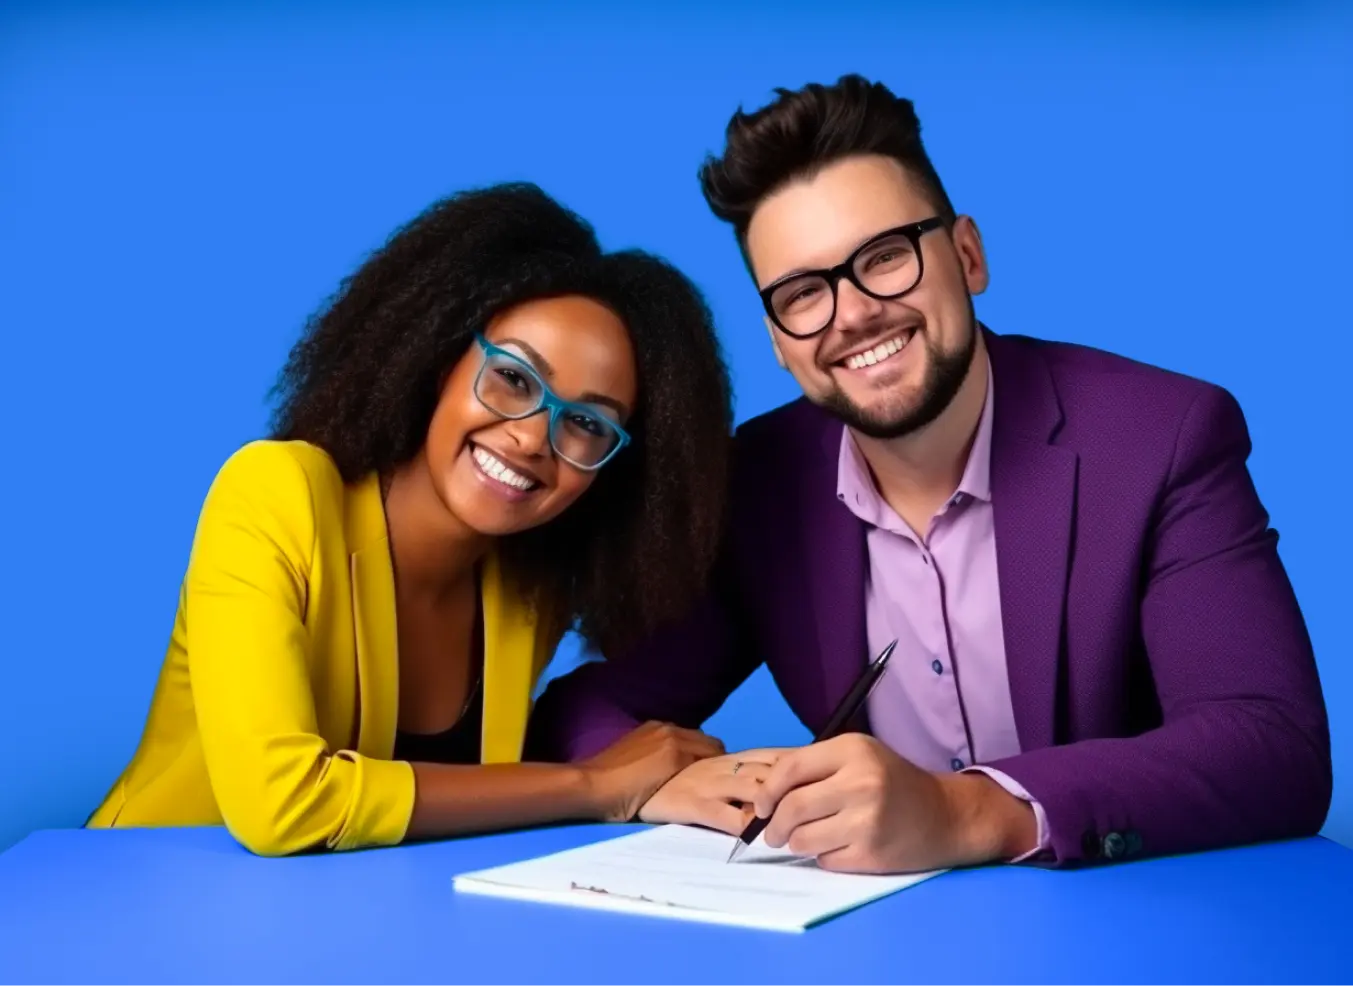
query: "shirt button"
956, 763
937, 667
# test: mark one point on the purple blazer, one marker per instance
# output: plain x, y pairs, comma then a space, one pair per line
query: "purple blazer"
1164, 688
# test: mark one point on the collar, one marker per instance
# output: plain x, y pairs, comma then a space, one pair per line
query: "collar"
855, 485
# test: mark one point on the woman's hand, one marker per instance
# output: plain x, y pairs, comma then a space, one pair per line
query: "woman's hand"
717, 793
625, 775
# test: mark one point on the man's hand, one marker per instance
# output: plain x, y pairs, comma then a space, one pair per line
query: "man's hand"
858, 807
716, 793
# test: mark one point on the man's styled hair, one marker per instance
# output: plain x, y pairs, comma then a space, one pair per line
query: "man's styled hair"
802, 131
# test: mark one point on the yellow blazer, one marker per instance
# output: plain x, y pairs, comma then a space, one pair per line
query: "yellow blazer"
276, 708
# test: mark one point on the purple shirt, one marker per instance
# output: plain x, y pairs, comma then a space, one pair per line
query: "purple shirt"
944, 702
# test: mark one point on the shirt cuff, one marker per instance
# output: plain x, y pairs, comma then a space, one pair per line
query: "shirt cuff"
1012, 787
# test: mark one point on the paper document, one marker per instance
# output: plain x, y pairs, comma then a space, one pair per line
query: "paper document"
682, 872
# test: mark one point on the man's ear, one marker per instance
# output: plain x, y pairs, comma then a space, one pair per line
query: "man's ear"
774, 341
971, 254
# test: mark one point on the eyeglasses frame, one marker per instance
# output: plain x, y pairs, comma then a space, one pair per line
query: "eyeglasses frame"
846, 269
549, 401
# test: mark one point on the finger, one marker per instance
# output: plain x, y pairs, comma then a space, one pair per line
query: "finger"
683, 735
800, 807
701, 746
846, 859
744, 783
825, 836
689, 742
767, 756
722, 817
702, 739
807, 765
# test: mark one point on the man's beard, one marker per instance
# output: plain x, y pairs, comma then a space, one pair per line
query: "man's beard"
944, 376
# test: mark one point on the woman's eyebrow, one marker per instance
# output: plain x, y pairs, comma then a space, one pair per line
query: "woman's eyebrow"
532, 354
602, 399
543, 365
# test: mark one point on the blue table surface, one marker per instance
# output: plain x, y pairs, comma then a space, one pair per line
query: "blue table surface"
189, 905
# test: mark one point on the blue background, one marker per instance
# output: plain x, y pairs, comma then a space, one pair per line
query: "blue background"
179, 189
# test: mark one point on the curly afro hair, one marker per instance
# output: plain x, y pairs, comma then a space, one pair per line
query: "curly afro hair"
364, 379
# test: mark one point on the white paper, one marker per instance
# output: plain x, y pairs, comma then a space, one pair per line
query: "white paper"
682, 872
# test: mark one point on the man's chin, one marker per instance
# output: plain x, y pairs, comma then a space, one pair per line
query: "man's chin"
879, 420
884, 429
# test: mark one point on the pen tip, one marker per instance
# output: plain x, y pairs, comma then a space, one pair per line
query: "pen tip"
737, 848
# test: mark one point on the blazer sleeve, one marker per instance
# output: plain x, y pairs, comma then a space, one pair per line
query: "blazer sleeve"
1243, 753
680, 674
279, 787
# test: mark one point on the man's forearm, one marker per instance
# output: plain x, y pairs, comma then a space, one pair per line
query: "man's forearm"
573, 721
680, 675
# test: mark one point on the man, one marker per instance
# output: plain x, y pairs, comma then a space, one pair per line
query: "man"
1100, 655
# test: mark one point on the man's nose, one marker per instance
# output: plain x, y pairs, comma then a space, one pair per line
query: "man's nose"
854, 308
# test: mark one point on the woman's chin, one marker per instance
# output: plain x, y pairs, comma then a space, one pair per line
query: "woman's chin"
493, 508
490, 515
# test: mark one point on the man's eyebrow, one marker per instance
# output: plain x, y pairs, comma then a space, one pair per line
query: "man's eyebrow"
810, 270
543, 365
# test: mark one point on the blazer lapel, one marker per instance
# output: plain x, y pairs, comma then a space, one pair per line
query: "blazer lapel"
373, 606
513, 654
1033, 493
834, 561
512, 658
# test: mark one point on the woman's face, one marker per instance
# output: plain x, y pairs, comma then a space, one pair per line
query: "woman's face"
497, 475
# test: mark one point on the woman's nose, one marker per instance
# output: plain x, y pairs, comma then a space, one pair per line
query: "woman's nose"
531, 435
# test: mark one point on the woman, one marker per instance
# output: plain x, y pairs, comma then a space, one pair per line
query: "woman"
493, 433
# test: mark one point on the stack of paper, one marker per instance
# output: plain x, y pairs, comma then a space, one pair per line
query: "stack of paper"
680, 872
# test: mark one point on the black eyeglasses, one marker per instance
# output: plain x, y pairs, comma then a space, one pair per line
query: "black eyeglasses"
886, 267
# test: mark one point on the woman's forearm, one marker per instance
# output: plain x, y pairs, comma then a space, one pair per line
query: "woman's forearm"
612, 785
460, 800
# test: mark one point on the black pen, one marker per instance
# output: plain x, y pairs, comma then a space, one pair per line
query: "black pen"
839, 720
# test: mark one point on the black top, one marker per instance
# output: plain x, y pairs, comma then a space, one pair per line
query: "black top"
462, 742
459, 744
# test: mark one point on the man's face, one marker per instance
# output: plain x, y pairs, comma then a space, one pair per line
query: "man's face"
885, 367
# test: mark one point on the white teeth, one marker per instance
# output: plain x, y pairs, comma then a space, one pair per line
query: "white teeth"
496, 468
879, 353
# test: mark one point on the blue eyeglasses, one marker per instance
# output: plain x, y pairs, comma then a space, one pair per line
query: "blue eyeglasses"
580, 434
